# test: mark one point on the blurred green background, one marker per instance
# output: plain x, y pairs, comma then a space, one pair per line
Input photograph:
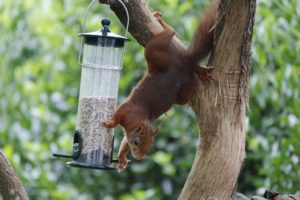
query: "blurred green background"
39, 79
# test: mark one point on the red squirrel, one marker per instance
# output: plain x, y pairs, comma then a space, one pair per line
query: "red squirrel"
170, 80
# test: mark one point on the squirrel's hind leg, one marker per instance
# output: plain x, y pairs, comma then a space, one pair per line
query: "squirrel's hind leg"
158, 17
158, 52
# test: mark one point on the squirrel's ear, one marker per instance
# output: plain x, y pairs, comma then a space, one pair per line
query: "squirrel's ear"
139, 128
155, 131
142, 127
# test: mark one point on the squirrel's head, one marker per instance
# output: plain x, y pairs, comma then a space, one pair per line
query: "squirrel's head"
140, 139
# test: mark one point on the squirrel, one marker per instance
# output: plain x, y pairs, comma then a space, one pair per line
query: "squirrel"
170, 80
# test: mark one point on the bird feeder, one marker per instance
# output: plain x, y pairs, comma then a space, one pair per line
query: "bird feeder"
102, 60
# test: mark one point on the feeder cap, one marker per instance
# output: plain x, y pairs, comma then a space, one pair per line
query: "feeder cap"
104, 32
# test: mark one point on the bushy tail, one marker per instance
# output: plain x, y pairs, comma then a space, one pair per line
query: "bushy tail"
202, 41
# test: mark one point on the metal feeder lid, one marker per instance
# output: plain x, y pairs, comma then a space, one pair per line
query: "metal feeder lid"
103, 33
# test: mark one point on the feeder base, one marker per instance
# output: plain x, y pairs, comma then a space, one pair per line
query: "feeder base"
81, 165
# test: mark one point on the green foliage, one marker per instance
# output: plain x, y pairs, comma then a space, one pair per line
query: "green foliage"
39, 78
274, 130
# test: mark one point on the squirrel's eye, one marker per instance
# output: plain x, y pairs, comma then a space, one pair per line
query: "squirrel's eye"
136, 141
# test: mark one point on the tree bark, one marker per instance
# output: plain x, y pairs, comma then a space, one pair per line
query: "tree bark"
10, 185
220, 105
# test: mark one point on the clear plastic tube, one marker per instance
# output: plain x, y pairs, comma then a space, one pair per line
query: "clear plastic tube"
99, 84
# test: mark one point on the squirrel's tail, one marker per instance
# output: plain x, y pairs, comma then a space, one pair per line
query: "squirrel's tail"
202, 41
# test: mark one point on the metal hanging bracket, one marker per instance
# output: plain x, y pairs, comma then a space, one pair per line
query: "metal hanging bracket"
85, 17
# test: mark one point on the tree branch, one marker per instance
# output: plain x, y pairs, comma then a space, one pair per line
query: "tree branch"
142, 24
10, 185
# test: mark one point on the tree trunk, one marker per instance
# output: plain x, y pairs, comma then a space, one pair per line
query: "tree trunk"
10, 185
220, 105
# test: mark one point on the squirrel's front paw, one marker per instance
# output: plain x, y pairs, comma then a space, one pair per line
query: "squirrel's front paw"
108, 124
122, 163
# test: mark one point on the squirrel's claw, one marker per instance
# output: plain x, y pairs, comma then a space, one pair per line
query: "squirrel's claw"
157, 14
203, 73
122, 163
